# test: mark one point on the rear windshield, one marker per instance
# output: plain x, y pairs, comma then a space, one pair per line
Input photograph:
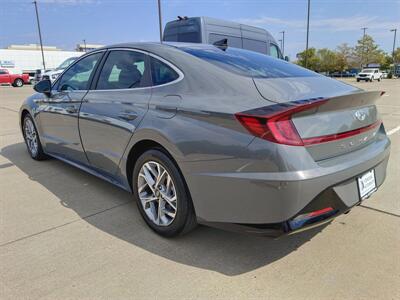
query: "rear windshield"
187, 31
249, 63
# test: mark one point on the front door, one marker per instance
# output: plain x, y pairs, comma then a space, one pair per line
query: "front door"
112, 110
58, 114
4, 77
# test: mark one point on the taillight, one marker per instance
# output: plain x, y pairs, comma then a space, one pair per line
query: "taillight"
274, 123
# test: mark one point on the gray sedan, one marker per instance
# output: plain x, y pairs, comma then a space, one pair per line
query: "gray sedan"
212, 135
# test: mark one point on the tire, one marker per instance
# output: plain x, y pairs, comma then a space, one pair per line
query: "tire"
358, 80
18, 82
176, 217
31, 135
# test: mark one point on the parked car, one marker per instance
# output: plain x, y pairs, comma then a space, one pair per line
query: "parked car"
210, 31
219, 137
13, 77
344, 74
53, 74
369, 75
385, 74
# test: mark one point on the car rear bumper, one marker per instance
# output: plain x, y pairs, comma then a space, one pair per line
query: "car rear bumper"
265, 203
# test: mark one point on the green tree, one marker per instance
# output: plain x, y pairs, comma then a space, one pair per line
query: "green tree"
397, 56
345, 57
367, 51
387, 62
312, 59
327, 60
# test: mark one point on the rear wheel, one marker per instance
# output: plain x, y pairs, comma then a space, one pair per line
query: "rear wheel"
18, 82
161, 195
31, 138
358, 80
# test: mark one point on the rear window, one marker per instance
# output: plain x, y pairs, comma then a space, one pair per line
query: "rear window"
249, 63
183, 31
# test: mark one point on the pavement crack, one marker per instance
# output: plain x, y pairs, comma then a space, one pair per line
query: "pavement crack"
381, 211
9, 109
65, 224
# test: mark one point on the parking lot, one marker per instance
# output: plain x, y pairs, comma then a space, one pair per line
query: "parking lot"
67, 234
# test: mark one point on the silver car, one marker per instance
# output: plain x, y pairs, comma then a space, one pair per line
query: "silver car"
212, 135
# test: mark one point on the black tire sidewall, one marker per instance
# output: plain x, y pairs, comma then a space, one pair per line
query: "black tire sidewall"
183, 203
16, 82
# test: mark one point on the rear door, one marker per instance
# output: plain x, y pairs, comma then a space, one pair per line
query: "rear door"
113, 108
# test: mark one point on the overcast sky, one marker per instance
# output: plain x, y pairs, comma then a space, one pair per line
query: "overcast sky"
67, 22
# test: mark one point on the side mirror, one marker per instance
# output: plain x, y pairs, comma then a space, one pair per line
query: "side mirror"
287, 58
43, 87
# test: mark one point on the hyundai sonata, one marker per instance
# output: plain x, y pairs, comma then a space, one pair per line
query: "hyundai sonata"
212, 135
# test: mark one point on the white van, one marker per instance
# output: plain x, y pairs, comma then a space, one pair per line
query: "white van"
209, 31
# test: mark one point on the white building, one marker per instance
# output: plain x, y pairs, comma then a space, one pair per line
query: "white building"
28, 58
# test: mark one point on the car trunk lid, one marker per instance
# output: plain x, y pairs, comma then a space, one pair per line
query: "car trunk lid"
345, 120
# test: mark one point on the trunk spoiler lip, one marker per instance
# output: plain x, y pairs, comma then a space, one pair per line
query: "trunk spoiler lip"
356, 92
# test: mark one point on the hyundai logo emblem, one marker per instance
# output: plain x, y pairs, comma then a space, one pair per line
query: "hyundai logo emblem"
360, 115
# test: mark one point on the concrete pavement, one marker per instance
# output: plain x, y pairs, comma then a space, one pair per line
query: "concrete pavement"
66, 234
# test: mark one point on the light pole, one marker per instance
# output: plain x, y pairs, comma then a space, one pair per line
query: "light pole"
40, 34
283, 43
84, 44
159, 19
308, 31
363, 45
280, 42
394, 47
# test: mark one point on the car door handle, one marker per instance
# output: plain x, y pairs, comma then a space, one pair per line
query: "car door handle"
71, 109
128, 116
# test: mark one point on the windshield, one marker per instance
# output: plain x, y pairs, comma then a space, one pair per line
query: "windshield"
66, 63
367, 71
249, 63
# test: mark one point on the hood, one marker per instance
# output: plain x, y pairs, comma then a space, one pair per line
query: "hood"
298, 88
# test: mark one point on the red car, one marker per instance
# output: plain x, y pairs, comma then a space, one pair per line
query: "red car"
16, 80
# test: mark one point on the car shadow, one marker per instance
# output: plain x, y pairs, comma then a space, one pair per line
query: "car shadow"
113, 211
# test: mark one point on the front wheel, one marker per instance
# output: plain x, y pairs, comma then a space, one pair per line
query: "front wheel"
18, 82
161, 195
31, 138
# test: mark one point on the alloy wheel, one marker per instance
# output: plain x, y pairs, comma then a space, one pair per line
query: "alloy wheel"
30, 136
157, 193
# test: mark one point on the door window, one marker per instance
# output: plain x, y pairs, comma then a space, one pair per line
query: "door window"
254, 45
123, 70
162, 73
3, 72
274, 51
77, 77
233, 41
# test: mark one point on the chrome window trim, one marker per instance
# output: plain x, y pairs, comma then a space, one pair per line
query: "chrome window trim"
71, 65
178, 71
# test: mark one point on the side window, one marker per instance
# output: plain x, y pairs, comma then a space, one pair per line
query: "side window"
123, 70
2, 72
274, 50
254, 45
162, 73
77, 77
233, 41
